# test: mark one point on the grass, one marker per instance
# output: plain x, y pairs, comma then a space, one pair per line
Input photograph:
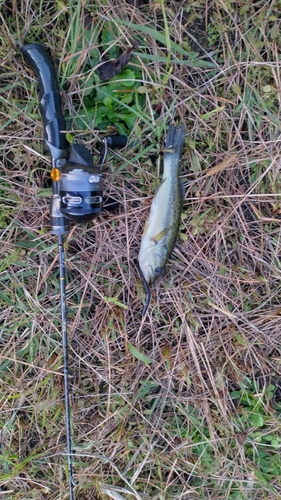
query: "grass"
185, 404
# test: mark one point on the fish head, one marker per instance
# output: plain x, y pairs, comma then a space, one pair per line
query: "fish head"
152, 261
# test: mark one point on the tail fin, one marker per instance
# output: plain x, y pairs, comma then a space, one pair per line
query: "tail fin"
174, 143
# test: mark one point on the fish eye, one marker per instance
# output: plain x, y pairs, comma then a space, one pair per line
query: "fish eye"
158, 271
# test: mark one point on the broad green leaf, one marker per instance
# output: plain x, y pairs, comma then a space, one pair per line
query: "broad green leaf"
257, 420
267, 89
107, 102
138, 354
108, 37
236, 89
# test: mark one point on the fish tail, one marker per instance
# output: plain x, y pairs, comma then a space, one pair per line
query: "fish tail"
174, 144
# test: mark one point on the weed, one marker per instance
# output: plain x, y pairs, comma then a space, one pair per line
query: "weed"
186, 403
115, 103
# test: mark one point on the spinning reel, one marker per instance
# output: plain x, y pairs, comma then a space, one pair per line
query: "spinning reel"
77, 183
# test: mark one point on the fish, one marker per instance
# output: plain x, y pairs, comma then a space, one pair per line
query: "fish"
162, 226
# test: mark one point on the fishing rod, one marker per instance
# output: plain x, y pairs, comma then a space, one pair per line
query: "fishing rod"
77, 191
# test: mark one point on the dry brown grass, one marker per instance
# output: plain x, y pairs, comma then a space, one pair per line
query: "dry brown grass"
168, 429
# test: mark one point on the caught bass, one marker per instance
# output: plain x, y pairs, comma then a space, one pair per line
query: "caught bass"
161, 228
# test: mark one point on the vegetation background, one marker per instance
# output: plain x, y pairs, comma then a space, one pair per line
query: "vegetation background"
185, 403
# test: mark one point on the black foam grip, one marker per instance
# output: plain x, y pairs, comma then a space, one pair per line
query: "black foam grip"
50, 104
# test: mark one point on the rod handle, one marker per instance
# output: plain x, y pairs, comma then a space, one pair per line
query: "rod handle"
50, 104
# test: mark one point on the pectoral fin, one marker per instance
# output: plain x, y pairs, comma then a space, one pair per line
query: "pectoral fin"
145, 228
159, 186
158, 237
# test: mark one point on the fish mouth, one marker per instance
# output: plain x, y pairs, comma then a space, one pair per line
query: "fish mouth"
146, 272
